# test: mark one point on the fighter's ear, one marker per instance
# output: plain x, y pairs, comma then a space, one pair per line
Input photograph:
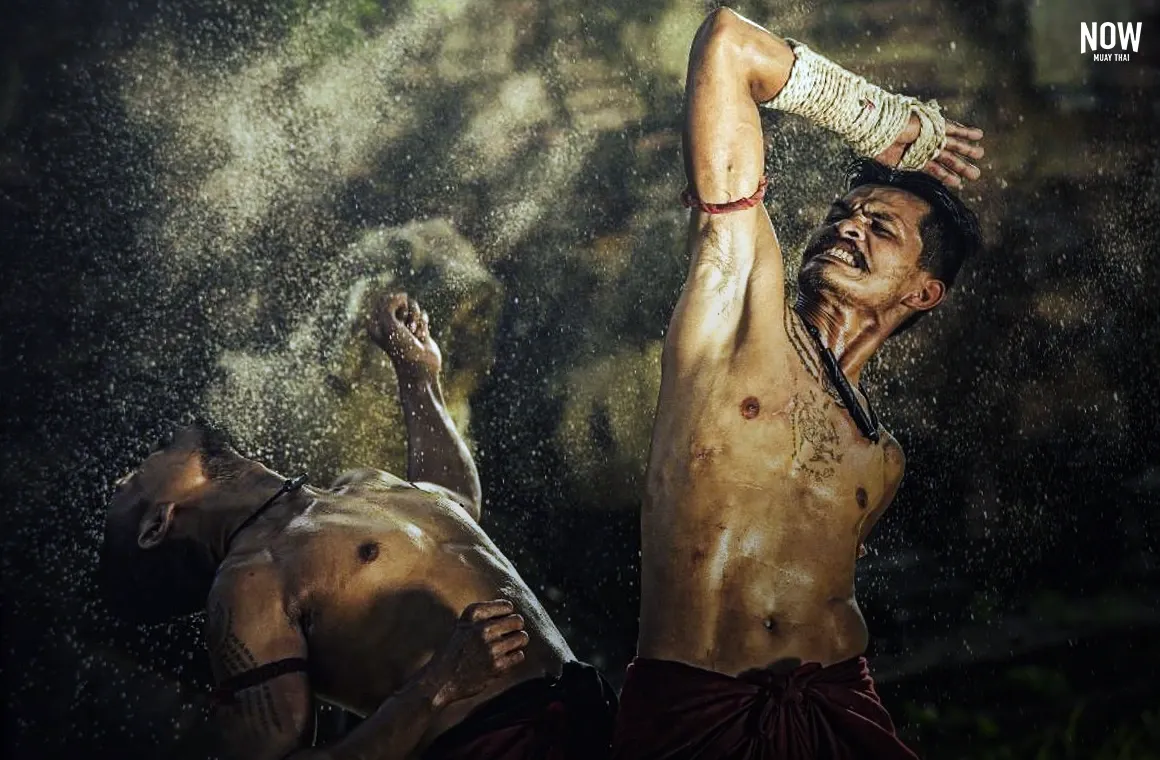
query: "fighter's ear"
155, 525
929, 294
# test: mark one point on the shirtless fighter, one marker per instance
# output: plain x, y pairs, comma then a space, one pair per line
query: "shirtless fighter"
768, 468
364, 595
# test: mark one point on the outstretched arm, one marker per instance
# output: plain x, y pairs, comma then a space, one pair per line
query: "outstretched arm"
436, 454
272, 720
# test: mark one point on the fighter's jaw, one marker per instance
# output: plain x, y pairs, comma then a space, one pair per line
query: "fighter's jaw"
839, 251
836, 271
824, 281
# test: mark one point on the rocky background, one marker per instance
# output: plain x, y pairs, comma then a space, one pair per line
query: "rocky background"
198, 197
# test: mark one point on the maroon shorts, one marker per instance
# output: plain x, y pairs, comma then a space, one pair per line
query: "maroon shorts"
673, 711
565, 718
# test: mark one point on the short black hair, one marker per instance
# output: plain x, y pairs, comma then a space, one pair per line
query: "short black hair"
152, 585
950, 232
173, 578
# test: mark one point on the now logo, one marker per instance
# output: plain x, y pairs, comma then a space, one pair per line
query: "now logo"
1096, 36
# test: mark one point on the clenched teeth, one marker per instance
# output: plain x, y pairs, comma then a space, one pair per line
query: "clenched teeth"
842, 255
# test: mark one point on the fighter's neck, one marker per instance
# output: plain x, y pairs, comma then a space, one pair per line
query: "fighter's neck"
245, 498
852, 337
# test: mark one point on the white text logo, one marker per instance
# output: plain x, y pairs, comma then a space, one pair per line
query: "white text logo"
1120, 36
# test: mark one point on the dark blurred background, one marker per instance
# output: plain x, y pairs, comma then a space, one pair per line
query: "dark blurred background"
197, 197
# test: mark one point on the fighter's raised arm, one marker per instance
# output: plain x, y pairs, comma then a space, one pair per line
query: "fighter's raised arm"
735, 66
437, 456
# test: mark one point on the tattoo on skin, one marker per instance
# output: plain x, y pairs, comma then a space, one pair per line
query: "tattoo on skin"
255, 704
811, 425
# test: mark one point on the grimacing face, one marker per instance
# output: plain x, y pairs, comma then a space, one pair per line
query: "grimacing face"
865, 253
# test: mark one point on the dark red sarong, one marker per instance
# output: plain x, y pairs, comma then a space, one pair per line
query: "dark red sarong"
673, 711
565, 718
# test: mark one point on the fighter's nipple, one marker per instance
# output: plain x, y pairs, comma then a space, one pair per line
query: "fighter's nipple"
368, 551
750, 407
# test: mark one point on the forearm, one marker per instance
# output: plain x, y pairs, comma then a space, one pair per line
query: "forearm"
786, 75
436, 453
392, 732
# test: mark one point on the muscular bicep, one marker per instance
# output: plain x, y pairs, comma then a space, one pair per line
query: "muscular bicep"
724, 152
264, 707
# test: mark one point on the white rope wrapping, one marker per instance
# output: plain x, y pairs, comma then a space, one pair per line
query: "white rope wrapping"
867, 116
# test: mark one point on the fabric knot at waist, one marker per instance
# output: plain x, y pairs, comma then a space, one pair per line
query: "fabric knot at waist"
785, 686
794, 698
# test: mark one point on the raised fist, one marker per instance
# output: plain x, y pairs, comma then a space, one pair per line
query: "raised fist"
401, 328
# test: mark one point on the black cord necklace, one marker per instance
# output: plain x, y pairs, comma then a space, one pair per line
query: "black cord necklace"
288, 486
865, 419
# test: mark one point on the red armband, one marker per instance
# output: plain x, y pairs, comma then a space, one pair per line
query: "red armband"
690, 200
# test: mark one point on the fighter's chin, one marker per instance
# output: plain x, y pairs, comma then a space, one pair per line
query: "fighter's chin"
818, 281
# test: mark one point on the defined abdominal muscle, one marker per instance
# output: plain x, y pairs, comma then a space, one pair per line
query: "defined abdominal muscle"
757, 635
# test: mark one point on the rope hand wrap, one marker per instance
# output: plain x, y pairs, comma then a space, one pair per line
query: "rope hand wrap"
867, 116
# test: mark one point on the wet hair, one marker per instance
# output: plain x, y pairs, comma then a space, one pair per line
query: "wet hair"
151, 585
173, 578
219, 457
950, 232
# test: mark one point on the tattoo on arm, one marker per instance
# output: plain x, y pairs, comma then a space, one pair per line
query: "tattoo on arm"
255, 704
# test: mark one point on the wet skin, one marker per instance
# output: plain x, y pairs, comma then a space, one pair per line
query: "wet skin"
366, 580
761, 489
374, 576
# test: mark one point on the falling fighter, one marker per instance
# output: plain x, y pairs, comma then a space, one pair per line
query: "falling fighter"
379, 595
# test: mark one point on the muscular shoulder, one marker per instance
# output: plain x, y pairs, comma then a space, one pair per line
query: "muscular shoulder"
367, 480
367, 477
894, 460
250, 587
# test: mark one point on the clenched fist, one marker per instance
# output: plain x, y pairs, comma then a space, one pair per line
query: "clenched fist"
401, 328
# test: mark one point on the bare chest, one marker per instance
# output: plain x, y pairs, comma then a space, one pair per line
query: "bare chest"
782, 436
375, 593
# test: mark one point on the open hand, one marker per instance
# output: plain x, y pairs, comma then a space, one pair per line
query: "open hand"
488, 641
401, 328
951, 165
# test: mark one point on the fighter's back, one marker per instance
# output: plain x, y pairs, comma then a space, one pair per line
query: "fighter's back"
375, 573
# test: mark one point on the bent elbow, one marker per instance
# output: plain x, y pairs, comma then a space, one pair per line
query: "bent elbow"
718, 35
720, 23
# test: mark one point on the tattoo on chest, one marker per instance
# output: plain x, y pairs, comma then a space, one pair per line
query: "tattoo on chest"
255, 704
816, 442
